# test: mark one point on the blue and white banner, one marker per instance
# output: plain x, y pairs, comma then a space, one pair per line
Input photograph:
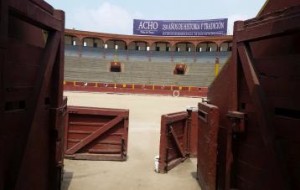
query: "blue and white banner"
214, 27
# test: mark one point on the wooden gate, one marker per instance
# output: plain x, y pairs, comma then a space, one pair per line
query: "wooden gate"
257, 94
32, 108
96, 133
207, 146
267, 55
173, 140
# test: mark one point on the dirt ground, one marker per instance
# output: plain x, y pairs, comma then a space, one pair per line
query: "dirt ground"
144, 133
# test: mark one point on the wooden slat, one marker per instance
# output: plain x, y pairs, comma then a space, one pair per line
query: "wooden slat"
59, 65
111, 142
105, 151
260, 103
175, 118
163, 152
103, 147
45, 6
86, 123
79, 132
103, 157
74, 140
97, 111
94, 135
268, 28
208, 148
249, 71
177, 142
43, 78
78, 135
116, 134
28, 11
85, 128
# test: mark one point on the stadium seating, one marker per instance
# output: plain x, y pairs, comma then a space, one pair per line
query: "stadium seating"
93, 65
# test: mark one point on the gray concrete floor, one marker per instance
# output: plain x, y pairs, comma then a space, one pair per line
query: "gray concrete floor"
144, 133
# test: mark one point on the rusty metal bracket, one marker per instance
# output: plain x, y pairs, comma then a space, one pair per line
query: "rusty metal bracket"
61, 110
238, 121
205, 100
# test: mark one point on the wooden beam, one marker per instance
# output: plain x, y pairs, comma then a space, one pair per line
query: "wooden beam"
45, 6
163, 152
35, 101
259, 99
97, 111
58, 69
44, 75
176, 118
268, 27
176, 141
94, 135
256, 94
30, 12
249, 71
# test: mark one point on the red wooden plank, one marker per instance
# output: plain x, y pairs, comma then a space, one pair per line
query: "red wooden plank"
59, 65
89, 156
80, 132
207, 146
85, 128
74, 140
26, 10
116, 142
108, 150
176, 117
162, 147
125, 137
278, 23
97, 111
91, 124
94, 135
259, 99
249, 71
45, 6
37, 99
101, 147
78, 135
275, 5
178, 144
193, 132
85, 117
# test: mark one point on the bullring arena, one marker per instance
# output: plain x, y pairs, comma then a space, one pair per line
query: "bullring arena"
143, 64
144, 134
147, 83
91, 110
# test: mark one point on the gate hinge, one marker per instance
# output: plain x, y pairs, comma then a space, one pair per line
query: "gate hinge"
238, 121
61, 110
205, 100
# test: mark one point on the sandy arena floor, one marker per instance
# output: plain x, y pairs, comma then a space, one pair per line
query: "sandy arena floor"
144, 131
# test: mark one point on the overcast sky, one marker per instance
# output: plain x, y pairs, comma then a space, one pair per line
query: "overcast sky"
116, 16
